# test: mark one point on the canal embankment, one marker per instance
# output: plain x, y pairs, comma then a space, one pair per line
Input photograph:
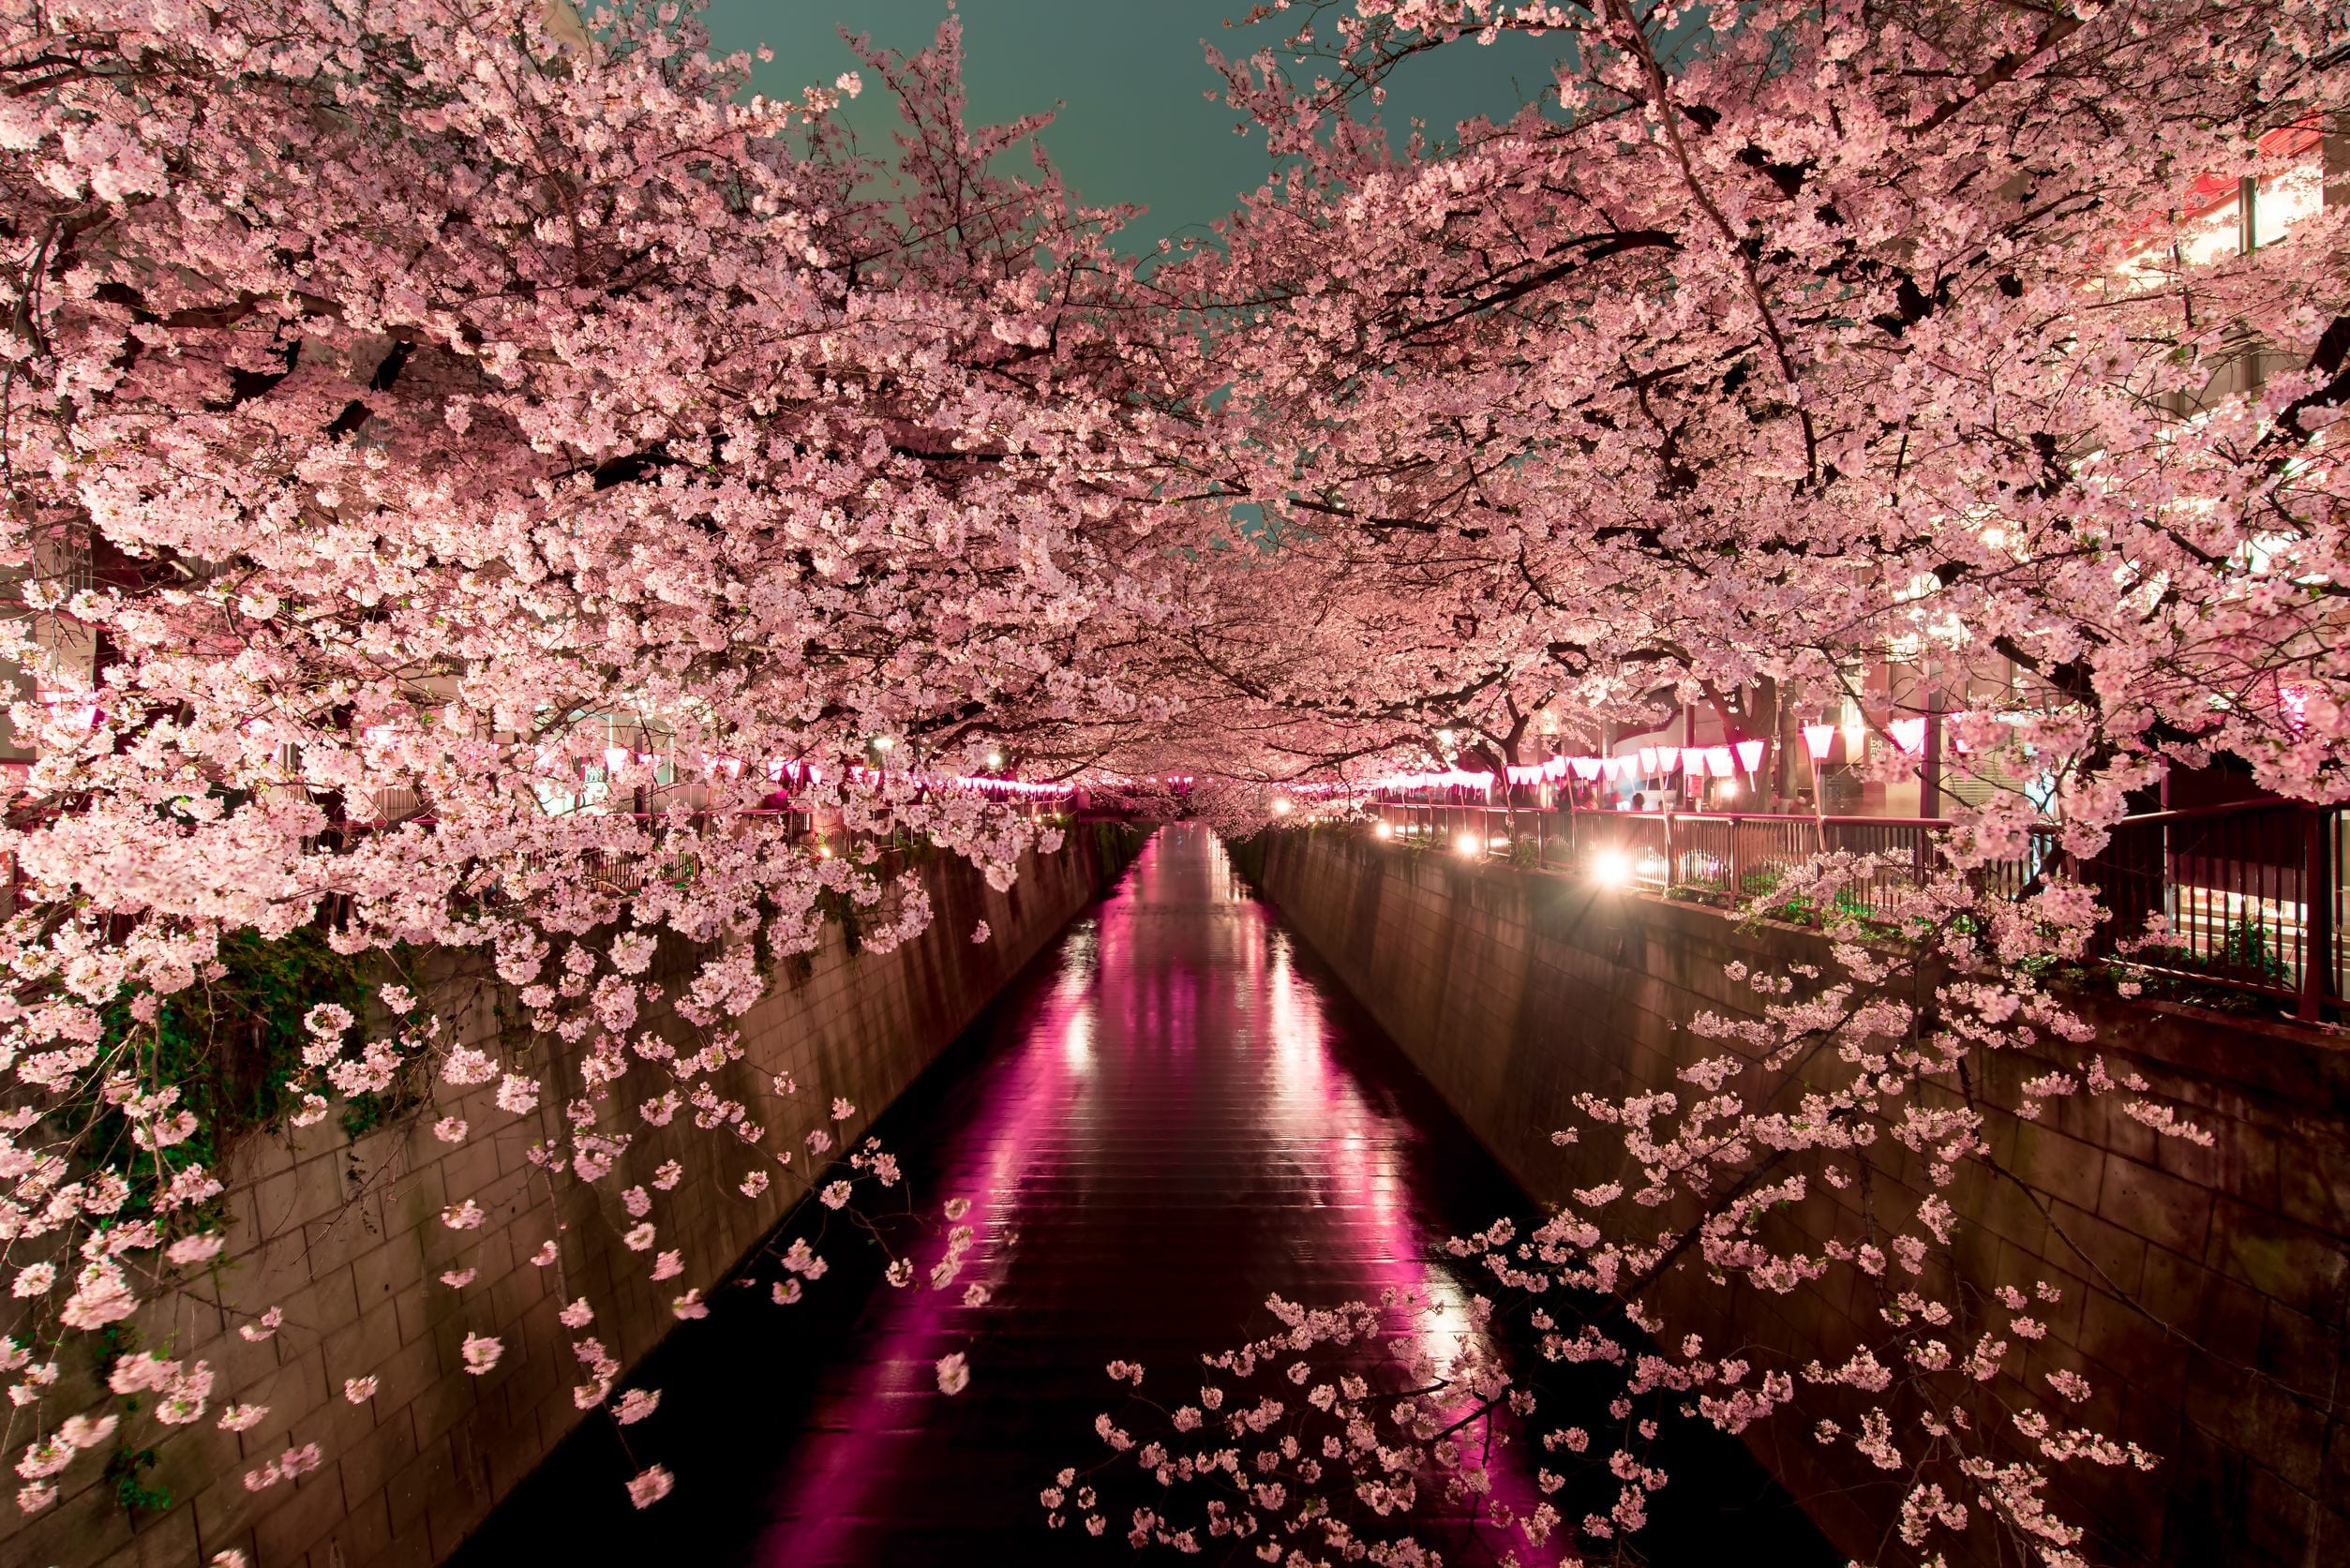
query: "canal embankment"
344, 1237
2205, 1288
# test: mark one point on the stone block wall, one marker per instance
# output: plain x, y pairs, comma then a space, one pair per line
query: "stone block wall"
346, 1237
2205, 1290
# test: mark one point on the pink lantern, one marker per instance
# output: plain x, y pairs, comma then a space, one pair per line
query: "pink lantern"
1587, 767
1668, 758
1719, 763
615, 758
1908, 734
1648, 762
1750, 756
1817, 739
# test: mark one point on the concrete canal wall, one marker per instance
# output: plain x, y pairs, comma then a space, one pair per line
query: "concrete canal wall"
2203, 1289
346, 1237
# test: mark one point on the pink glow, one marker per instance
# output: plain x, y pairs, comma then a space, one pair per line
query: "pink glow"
1178, 983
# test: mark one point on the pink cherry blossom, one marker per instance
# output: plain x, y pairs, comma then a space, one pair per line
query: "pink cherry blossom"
651, 1486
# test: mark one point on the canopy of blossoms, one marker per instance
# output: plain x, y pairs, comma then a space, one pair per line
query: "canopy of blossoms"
458, 451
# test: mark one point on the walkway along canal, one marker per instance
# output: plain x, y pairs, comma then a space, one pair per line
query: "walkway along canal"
1173, 1113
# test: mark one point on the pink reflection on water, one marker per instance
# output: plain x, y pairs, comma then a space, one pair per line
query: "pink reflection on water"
1177, 1045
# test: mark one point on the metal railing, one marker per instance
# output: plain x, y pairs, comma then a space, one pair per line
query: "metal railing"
2248, 897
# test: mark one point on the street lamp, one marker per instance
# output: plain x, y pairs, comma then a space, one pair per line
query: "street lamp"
1816, 739
1750, 753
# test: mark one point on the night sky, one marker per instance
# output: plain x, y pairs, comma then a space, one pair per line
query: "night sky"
1128, 76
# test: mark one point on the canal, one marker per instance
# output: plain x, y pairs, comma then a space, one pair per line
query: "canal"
1173, 1112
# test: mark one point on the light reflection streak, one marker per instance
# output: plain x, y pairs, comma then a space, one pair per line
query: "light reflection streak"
1178, 975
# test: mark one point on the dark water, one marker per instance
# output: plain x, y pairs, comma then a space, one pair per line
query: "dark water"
1174, 1111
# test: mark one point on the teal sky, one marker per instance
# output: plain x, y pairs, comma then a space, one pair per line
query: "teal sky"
1127, 76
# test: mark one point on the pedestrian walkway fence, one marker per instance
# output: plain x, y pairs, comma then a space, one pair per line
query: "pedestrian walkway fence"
2247, 897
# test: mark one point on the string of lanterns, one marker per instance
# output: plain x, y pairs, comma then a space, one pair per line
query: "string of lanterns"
1661, 763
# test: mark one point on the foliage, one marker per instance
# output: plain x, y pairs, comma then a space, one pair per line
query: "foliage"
231, 1043
133, 1495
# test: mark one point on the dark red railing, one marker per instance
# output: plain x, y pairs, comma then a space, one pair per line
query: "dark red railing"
2245, 896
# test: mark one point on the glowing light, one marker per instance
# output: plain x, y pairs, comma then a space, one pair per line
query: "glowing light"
1383, 830
882, 743
1817, 739
1611, 868
1280, 808
1728, 790
1467, 843
994, 760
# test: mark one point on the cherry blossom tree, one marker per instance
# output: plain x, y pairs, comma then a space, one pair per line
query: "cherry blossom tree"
473, 474
1742, 355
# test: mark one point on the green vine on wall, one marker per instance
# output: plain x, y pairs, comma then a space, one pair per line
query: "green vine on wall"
231, 1043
